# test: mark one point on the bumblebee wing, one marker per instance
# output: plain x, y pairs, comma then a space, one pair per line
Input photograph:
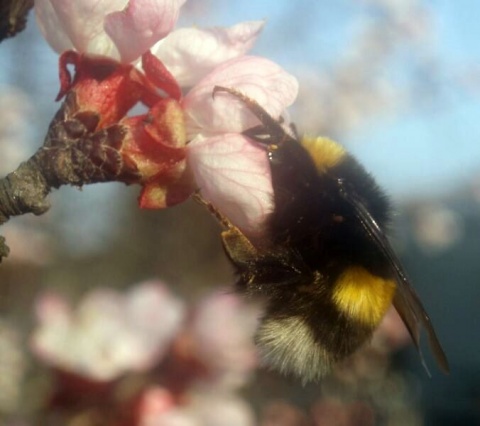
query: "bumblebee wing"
406, 301
413, 314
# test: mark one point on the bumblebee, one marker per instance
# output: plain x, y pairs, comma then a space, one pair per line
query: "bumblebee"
325, 271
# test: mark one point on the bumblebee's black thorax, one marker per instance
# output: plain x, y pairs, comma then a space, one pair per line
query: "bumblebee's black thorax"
313, 218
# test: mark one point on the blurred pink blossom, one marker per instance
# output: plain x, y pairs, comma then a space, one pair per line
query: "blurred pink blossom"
200, 408
391, 332
223, 330
213, 408
437, 227
157, 407
109, 333
217, 343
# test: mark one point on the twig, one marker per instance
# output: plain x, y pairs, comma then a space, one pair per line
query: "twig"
72, 154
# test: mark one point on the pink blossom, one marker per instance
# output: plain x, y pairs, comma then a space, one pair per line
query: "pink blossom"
157, 407
222, 335
212, 408
191, 53
199, 408
109, 333
141, 24
124, 30
391, 333
232, 171
119, 29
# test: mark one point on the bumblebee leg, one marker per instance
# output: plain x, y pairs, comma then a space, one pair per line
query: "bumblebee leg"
223, 220
237, 246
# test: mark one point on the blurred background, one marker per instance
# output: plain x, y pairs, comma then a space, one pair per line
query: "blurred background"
398, 83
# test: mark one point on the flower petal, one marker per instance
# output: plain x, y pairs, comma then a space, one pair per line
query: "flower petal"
109, 332
153, 316
234, 175
258, 78
191, 53
51, 307
223, 334
140, 25
51, 27
81, 21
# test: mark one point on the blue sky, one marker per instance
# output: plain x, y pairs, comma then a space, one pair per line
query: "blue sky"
430, 148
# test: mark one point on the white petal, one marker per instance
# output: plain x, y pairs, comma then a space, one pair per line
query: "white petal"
191, 53
258, 78
233, 173
109, 332
82, 22
140, 25
212, 408
51, 27
154, 316
51, 307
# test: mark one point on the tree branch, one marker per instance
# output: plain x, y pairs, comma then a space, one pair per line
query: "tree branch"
13, 16
73, 153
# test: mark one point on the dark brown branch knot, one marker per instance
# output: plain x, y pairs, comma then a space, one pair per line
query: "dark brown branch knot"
73, 153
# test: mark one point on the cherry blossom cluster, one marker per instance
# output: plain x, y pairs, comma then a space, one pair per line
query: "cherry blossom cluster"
128, 52
176, 360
